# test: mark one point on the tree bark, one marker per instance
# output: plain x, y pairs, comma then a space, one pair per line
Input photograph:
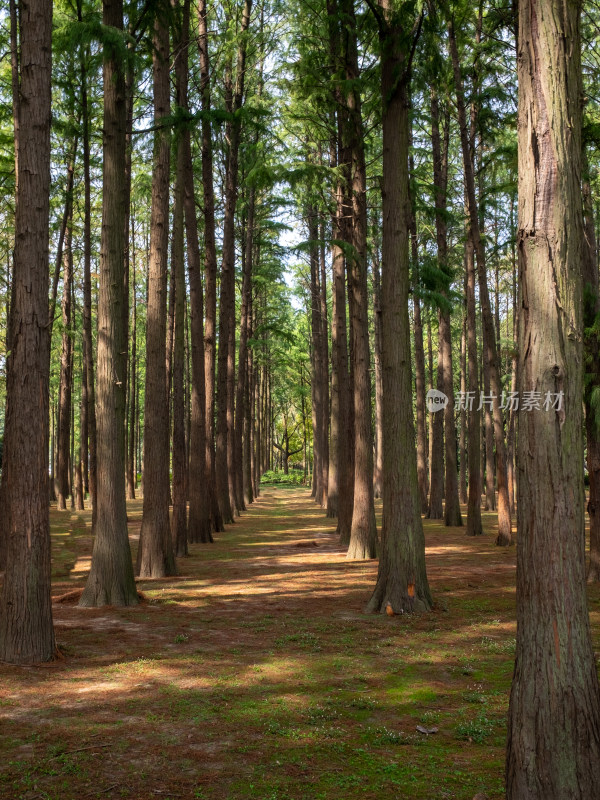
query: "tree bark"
339, 492
26, 631
225, 431
591, 343
553, 749
179, 523
377, 336
155, 557
210, 271
363, 533
131, 471
440, 147
462, 447
504, 536
111, 580
422, 474
91, 440
402, 578
474, 526
66, 375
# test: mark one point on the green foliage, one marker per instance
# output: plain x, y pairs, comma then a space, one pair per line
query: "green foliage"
276, 477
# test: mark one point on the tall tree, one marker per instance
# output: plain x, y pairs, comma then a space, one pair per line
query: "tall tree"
26, 630
440, 147
210, 265
591, 319
554, 714
402, 578
66, 376
225, 431
155, 553
504, 536
363, 533
111, 580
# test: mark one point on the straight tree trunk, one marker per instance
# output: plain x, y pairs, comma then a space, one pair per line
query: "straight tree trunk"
422, 474
316, 383
402, 579
339, 492
435, 509
452, 515
202, 519
591, 343
179, 524
225, 431
553, 749
91, 442
131, 471
504, 536
378, 466
26, 630
241, 389
363, 533
462, 447
488, 432
210, 272
510, 437
111, 580
155, 557
66, 375
83, 424
474, 526
324, 366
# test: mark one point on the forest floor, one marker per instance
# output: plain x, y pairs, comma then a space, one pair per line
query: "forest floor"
256, 674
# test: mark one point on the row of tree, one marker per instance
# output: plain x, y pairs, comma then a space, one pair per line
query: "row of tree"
394, 127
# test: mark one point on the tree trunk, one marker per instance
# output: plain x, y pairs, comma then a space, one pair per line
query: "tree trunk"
591, 343
225, 431
474, 526
378, 466
66, 375
324, 367
553, 749
316, 383
26, 631
241, 390
504, 536
363, 534
422, 474
402, 578
436, 487
210, 273
111, 580
201, 485
91, 441
462, 447
440, 149
179, 525
339, 492
488, 433
131, 472
155, 557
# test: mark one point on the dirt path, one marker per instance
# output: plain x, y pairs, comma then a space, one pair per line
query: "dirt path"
256, 674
